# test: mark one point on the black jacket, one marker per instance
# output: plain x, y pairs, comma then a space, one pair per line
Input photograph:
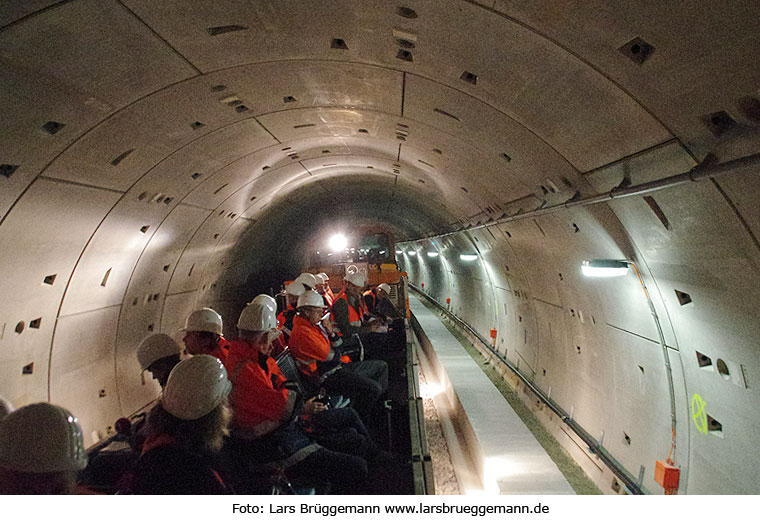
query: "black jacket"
170, 469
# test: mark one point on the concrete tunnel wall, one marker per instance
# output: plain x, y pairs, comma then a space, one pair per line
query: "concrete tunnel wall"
156, 158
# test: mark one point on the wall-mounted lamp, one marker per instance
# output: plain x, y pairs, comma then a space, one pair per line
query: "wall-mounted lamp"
468, 257
604, 268
412, 252
432, 254
616, 268
399, 252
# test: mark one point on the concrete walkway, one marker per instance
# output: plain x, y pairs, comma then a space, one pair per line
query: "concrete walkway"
495, 452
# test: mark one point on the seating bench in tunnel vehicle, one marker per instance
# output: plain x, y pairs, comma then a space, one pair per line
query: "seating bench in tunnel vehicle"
111, 460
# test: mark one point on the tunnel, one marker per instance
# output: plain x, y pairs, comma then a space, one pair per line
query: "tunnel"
158, 157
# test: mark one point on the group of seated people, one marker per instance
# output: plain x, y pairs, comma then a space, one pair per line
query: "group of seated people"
228, 419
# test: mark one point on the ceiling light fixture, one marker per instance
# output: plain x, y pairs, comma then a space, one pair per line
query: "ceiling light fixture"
468, 257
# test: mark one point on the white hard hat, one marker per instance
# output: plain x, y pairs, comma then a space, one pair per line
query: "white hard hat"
204, 320
41, 438
385, 287
195, 387
358, 278
6, 407
295, 288
324, 276
265, 299
319, 278
310, 298
307, 279
257, 318
155, 347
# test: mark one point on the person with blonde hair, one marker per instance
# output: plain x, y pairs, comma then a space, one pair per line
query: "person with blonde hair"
185, 431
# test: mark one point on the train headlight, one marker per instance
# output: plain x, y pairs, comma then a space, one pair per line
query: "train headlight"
338, 243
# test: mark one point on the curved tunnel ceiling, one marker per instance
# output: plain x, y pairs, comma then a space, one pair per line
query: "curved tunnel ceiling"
154, 157
276, 246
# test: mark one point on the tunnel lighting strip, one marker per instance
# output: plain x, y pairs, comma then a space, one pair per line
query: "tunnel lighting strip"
593, 445
604, 268
696, 174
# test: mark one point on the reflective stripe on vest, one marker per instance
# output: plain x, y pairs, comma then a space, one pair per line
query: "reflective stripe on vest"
328, 299
354, 317
368, 294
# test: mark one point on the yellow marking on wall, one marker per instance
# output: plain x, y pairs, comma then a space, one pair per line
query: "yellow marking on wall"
698, 413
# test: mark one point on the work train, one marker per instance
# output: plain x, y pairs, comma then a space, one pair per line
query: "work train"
399, 429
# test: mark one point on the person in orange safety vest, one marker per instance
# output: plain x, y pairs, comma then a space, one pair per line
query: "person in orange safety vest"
203, 334
266, 405
379, 304
351, 317
285, 317
323, 289
316, 348
259, 401
279, 345
349, 313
